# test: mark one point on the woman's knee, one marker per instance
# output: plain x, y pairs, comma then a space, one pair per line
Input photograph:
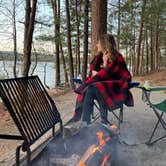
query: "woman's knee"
91, 91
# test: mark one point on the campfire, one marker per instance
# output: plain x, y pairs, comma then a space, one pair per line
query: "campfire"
99, 148
91, 146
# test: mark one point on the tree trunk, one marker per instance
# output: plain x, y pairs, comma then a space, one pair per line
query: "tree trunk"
118, 36
133, 39
30, 13
99, 21
151, 48
14, 39
69, 44
140, 38
56, 12
157, 37
85, 54
152, 37
142, 64
147, 52
63, 62
78, 61
36, 60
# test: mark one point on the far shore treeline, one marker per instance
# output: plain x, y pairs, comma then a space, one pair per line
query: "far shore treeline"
8, 55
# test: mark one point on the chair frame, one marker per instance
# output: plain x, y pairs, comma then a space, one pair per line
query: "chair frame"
159, 114
119, 116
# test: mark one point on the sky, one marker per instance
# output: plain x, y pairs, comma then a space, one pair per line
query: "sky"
44, 13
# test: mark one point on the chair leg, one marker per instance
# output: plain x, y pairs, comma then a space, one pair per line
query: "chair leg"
160, 120
28, 156
96, 115
61, 126
18, 155
53, 131
120, 116
93, 114
149, 141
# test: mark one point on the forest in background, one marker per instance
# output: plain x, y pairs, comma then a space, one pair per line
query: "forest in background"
72, 28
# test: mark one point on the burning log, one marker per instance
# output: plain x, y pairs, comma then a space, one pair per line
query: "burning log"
97, 151
64, 161
86, 155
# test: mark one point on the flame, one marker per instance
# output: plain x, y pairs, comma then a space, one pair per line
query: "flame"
102, 140
113, 127
94, 149
82, 164
106, 157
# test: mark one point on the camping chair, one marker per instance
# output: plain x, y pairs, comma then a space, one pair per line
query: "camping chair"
159, 110
114, 111
118, 115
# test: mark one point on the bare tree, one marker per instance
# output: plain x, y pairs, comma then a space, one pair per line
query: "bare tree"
9, 11
30, 13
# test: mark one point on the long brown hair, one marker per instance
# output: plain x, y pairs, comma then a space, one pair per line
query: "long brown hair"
108, 44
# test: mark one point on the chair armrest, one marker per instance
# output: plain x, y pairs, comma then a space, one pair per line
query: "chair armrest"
133, 84
152, 89
77, 80
157, 89
146, 92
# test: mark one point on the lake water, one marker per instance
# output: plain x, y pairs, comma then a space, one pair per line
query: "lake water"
50, 71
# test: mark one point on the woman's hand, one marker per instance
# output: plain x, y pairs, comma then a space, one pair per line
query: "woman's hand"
105, 59
94, 73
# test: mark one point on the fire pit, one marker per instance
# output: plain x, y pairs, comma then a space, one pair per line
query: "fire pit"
91, 146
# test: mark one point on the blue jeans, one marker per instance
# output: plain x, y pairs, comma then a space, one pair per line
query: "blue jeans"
92, 94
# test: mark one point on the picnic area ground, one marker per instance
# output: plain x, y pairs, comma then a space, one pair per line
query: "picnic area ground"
135, 130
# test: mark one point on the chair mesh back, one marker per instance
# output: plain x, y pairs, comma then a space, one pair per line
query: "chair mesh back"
29, 105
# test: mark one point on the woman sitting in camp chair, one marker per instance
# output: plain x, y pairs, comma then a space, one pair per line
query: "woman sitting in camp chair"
108, 82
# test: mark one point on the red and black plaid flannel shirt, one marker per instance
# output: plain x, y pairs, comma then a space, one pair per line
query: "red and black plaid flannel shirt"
111, 81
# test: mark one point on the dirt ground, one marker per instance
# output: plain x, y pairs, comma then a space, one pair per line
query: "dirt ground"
138, 122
